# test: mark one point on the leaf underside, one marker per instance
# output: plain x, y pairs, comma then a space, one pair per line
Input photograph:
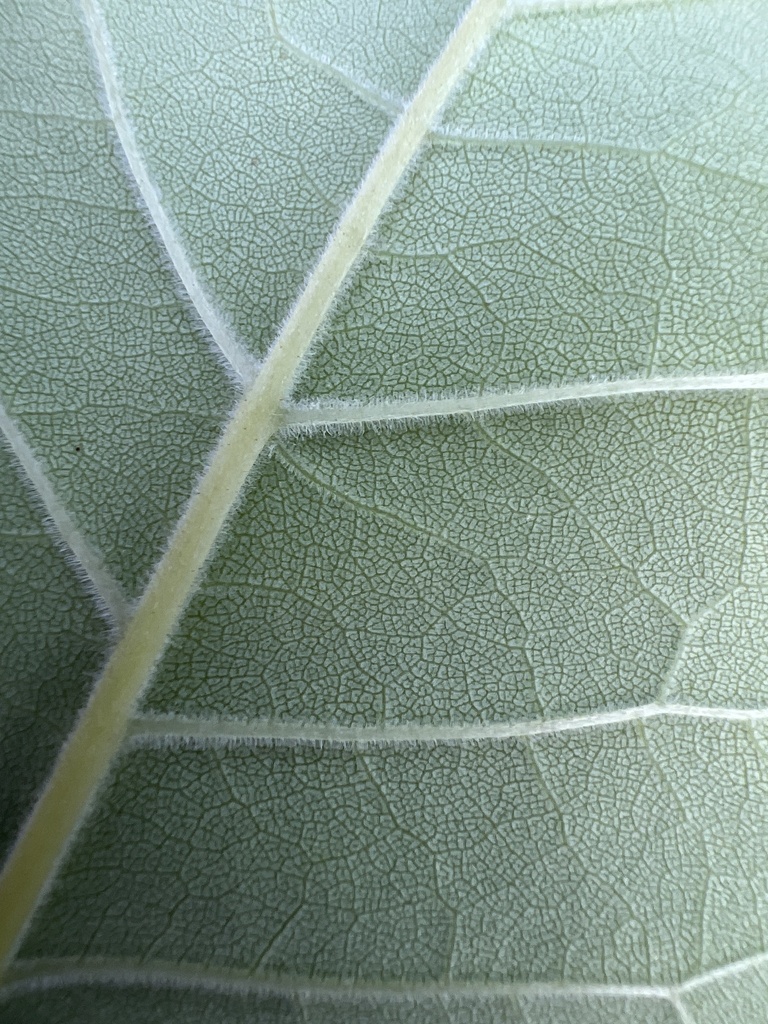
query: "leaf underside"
466, 716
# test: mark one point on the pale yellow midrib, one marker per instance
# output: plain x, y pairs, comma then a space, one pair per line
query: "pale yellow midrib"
97, 735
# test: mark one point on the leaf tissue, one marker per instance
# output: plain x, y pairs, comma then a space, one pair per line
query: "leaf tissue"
384, 390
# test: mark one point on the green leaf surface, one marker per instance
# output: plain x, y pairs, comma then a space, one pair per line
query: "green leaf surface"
385, 577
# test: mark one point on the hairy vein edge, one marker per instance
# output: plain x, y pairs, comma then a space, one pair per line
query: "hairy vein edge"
330, 415
87, 561
235, 354
168, 729
101, 726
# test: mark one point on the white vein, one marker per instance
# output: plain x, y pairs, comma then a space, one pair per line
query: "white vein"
390, 104
320, 415
723, 972
238, 358
50, 973
35, 975
682, 1012
88, 559
167, 728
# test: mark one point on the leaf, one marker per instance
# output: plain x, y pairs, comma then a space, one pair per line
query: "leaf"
384, 600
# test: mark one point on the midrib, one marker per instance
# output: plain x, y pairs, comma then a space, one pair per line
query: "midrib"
86, 755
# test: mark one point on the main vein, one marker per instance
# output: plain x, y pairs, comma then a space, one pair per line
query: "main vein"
89, 561
88, 752
231, 348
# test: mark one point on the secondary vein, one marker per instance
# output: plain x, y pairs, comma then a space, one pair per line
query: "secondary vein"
85, 757
318, 416
88, 558
46, 973
231, 348
167, 729
33, 975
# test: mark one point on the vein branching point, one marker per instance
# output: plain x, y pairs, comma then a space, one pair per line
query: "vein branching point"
101, 727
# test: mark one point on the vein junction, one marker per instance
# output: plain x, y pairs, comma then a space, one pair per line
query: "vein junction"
101, 728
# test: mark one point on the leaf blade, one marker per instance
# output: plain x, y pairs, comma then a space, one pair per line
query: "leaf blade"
575, 578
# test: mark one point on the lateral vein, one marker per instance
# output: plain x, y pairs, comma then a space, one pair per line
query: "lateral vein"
235, 353
731, 970
34, 975
165, 729
45, 973
320, 415
85, 757
89, 560
515, 7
